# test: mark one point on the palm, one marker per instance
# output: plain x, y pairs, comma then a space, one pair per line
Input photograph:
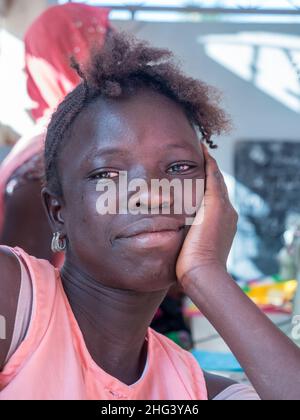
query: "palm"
210, 238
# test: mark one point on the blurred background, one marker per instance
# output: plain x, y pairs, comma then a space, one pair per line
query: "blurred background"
250, 50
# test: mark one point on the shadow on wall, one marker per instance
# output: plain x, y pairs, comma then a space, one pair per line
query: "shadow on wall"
269, 61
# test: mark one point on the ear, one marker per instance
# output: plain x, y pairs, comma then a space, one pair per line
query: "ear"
53, 206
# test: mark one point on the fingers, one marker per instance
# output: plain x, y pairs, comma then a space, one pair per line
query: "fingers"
215, 183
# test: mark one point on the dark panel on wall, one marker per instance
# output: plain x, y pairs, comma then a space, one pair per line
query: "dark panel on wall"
268, 190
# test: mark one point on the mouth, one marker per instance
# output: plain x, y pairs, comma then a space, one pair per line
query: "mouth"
152, 233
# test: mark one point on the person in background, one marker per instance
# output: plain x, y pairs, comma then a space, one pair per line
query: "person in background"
60, 33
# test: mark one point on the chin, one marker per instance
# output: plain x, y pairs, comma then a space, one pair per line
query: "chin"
155, 278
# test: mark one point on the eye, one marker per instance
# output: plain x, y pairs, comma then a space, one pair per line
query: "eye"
104, 175
180, 168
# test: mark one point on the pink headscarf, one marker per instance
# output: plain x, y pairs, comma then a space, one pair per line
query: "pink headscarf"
58, 34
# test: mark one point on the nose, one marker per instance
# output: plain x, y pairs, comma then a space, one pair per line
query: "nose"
151, 200
151, 196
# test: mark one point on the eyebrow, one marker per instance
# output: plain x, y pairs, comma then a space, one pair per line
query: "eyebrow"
112, 151
109, 151
176, 146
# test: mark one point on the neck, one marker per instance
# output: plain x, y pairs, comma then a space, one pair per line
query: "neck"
114, 323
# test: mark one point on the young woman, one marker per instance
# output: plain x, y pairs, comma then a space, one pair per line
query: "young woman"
83, 332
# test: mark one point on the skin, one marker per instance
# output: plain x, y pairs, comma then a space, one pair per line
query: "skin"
115, 285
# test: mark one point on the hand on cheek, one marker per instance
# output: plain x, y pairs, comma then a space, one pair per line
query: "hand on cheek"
210, 238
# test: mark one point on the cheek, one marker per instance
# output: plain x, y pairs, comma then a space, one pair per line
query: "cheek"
193, 194
198, 192
84, 224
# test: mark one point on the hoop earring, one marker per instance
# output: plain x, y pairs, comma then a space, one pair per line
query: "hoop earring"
58, 244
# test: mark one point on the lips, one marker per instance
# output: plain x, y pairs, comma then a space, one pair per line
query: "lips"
151, 225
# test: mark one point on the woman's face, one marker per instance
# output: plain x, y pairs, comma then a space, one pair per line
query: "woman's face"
149, 137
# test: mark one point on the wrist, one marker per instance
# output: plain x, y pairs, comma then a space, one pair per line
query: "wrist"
202, 277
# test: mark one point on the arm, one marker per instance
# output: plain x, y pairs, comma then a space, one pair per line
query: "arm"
10, 279
270, 359
25, 221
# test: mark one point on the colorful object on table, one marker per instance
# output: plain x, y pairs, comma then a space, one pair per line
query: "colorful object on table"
218, 362
270, 293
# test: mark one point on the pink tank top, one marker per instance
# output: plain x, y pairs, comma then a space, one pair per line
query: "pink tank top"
53, 362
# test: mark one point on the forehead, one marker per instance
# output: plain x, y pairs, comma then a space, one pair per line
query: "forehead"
145, 121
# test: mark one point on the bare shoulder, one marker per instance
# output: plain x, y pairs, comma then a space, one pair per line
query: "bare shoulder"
10, 280
216, 384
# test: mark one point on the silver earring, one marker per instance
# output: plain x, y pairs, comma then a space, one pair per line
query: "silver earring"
58, 244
